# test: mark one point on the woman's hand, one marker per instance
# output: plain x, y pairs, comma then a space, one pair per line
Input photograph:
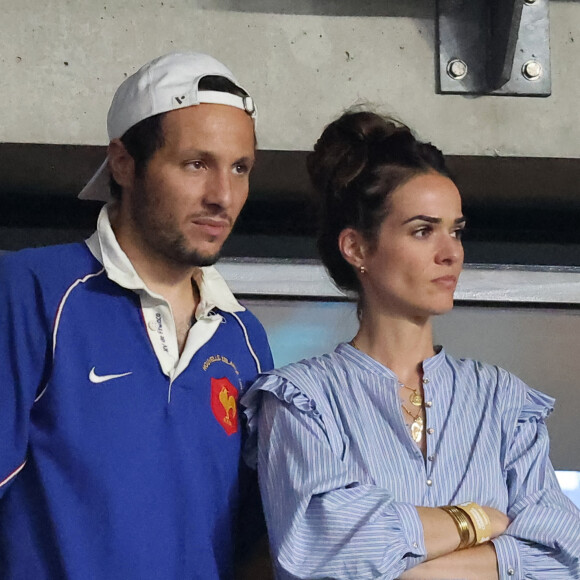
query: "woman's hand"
478, 563
441, 534
445, 561
499, 521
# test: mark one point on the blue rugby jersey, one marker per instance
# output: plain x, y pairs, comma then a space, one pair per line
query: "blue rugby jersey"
118, 458
340, 474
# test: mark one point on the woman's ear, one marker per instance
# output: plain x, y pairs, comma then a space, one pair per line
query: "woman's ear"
121, 164
352, 247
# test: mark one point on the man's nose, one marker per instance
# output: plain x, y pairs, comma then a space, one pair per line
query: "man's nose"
219, 188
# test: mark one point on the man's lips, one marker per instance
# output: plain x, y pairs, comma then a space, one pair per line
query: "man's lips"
446, 281
212, 225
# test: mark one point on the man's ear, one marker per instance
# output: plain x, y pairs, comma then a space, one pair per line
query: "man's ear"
352, 246
121, 164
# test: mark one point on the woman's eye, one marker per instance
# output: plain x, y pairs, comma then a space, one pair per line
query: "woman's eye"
422, 232
458, 234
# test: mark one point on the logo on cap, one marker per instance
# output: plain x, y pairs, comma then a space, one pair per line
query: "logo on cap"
224, 397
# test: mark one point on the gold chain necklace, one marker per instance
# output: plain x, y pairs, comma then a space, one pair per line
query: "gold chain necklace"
415, 397
416, 426
416, 400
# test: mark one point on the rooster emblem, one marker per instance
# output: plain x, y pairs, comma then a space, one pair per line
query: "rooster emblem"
229, 404
224, 397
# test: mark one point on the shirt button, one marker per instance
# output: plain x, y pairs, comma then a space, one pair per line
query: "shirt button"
430, 458
429, 483
415, 545
511, 571
425, 381
152, 325
430, 431
428, 403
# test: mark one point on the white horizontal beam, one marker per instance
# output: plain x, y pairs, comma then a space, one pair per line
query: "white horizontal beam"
481, 283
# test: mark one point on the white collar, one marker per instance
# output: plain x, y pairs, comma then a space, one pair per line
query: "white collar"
103, 244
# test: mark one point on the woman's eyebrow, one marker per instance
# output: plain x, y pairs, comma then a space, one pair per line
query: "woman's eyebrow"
433, 220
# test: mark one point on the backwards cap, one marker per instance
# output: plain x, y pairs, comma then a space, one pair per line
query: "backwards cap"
164, 84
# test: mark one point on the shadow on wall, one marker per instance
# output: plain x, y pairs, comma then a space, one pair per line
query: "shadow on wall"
407, 8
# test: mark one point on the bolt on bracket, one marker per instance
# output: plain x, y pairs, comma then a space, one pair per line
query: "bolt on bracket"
494, 47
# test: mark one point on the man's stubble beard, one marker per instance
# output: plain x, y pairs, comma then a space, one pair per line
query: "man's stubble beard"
163, 236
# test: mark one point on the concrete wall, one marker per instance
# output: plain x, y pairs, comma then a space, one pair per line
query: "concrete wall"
304, 61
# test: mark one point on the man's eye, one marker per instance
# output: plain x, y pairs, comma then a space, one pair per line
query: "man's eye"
241, 168
197, 164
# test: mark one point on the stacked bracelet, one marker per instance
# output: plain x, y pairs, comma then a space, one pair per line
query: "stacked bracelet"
479, 520
465, 527
472, 523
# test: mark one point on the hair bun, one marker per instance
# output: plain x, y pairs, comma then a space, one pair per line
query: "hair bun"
347, 147
338, 158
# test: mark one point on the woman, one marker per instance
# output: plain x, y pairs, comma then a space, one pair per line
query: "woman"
361, 451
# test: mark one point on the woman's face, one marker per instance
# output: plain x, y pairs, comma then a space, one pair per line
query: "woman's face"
413, 270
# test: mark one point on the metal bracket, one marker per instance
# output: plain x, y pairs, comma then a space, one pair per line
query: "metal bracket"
494, 47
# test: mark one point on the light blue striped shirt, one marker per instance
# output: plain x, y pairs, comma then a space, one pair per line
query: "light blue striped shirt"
340, 474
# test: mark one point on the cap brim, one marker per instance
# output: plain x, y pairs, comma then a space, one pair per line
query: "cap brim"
98, 187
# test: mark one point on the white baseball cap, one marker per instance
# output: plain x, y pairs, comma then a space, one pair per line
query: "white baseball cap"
164, 84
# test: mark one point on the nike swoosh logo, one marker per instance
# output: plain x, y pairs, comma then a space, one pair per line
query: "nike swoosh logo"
95, 378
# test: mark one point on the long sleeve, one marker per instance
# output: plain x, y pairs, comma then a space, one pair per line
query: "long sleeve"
23, 361
324, 521
543, 540
340, 474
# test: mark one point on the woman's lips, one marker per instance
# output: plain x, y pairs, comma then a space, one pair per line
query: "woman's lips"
449, 282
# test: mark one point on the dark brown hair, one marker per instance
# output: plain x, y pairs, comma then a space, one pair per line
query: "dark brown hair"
359, 160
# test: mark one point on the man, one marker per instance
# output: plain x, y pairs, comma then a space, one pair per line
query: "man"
122, 358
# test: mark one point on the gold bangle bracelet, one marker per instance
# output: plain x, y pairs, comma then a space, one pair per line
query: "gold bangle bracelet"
467, 536
462, 516
479, 519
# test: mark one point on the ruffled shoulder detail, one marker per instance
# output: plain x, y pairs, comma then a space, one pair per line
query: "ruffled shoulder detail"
274, 382
537, 406
298, 385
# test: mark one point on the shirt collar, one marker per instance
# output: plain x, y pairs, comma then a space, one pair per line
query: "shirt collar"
366, 362
213, 289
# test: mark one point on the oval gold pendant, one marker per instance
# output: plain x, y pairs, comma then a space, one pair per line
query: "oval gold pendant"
417, 429
416, 399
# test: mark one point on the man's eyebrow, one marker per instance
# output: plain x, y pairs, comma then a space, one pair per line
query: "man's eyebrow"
433, 220
202, 154
193, 152
246, 159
